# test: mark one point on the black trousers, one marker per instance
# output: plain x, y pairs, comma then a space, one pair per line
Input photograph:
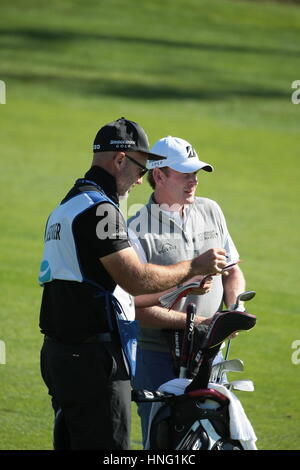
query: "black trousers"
91, 395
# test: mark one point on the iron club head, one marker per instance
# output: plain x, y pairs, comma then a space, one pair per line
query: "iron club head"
220, 368
244, 296
243, 385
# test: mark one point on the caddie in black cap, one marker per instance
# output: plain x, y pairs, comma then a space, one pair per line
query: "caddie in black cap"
90, 273
123, 134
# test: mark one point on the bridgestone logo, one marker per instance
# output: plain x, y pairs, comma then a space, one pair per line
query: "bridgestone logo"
122, 142
191, 152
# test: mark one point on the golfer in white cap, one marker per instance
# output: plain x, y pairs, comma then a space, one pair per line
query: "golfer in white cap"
176, 225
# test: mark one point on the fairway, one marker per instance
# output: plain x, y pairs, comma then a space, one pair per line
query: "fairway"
217, 73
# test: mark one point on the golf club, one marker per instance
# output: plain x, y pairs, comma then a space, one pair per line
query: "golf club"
232, 365
187, 342
243, 297
243, 385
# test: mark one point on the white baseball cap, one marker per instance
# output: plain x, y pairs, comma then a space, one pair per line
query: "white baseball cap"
179, 155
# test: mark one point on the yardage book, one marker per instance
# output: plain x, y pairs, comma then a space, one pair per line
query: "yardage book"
171, 298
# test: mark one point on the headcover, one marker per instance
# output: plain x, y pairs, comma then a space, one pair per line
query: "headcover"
206, 344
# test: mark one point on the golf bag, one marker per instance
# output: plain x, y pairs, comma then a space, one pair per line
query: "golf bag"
190, 412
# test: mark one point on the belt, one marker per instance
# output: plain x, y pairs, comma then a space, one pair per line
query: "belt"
98, 338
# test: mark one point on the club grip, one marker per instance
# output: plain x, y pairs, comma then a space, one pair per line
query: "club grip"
191, 310
187, 342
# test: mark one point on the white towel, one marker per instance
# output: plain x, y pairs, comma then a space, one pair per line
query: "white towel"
175, 386
239, 425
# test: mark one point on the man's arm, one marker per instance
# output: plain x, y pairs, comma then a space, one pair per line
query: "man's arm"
136, 278
234, 283
162, 318
149, 300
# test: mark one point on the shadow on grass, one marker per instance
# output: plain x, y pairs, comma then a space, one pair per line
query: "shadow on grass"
208, 84
41, 37
209, 90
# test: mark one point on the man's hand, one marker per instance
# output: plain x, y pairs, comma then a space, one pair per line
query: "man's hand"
136, 278
205, 287
207, 321
233, 335
210, 262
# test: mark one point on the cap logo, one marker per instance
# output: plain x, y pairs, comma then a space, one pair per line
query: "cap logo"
156, 164
122, 142
97, 146
191, 152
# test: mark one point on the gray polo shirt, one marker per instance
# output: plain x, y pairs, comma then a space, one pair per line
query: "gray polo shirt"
163, 239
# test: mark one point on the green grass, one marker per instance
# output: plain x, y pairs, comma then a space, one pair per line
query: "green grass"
217, 73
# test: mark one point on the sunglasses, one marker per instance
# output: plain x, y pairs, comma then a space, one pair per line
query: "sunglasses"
143, 169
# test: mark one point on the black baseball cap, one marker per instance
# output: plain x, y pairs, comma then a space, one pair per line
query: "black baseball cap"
123, 134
